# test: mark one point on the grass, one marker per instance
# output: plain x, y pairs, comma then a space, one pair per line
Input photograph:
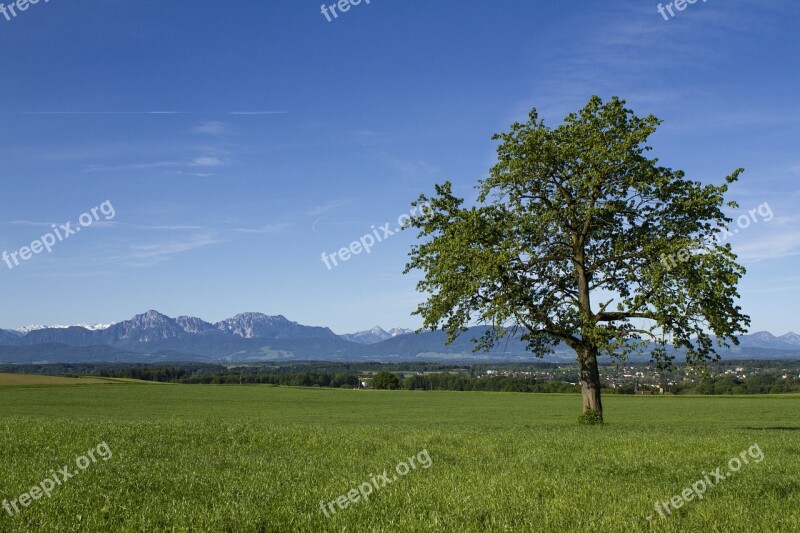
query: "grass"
260, 458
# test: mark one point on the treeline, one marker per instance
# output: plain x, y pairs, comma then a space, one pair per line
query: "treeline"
161, 373
301, 379
758, 384
435, 381
412, 376
456, 382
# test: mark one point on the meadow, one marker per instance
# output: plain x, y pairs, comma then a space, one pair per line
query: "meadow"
262, 458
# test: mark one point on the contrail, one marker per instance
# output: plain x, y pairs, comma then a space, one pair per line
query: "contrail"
146, 112
258, 112
104, 112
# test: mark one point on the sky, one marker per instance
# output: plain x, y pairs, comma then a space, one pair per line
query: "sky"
236, 142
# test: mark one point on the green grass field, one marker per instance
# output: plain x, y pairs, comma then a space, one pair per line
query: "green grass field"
260, 458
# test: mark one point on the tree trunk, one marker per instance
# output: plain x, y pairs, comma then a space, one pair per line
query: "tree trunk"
590, 381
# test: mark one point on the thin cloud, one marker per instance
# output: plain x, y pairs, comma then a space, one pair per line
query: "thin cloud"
268, 229
146, 112
414, 168
629, 46
166, 227
774, 246
135, 166
330, 206
112, 223
29, 223
258, 112
207, 162
212, 128
159, 251
103, 112
198, 174
203, 161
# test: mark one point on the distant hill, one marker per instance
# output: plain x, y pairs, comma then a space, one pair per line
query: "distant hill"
254, 337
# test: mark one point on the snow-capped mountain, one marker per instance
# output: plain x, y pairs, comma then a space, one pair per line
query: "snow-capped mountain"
765, 339
192, 324
790, 338
249, 337
376, 334
259, 325
148, 327
153, 326
91, 327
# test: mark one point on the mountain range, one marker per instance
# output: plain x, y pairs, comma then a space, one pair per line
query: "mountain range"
35, 327
256, 337
376, 334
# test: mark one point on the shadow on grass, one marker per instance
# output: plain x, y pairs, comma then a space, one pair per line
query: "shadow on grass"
774, 428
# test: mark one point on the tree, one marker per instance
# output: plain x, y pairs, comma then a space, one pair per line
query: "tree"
578, 237
385, 380
343, 379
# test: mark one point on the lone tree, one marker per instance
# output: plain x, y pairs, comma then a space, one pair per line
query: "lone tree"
385, 380
578, 237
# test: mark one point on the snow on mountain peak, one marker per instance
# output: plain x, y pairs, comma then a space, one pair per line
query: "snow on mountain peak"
36, 327
790, 338
375, 335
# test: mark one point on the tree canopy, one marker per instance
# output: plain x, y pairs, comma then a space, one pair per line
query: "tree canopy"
578, 237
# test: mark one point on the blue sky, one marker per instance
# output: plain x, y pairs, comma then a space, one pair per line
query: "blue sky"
238, 141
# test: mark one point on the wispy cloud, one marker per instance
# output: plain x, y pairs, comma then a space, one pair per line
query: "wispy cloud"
330, 206
197, 174
268, 229
201, 161
159, 251
29, 223
212, 128
628, 48
773, 246
413, 168
791, 220
258, 113
103, 112
207, 162
156, 227
146, 112
111, 224
132, 166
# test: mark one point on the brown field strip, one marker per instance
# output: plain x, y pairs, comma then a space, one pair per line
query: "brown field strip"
33, 379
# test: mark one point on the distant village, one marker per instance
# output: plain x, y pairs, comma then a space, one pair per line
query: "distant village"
647, 379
